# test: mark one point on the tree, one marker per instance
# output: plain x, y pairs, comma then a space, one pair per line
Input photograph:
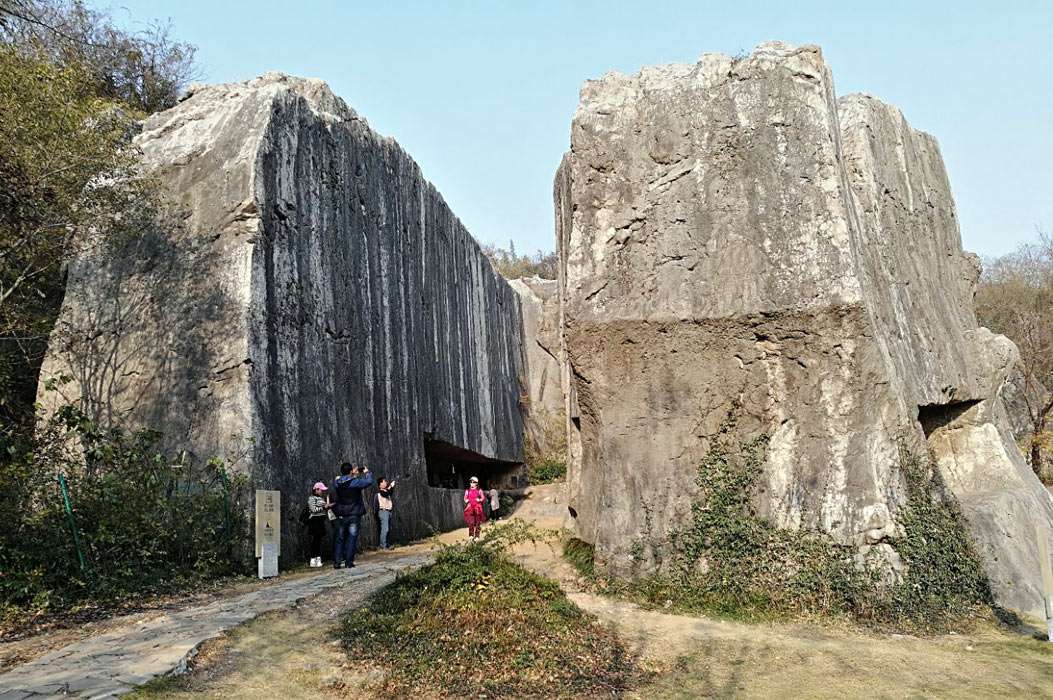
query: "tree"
71, 87
1015, 298
145, 70
56, 145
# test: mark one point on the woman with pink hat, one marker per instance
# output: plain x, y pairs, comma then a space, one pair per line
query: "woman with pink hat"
318, 513
474, 517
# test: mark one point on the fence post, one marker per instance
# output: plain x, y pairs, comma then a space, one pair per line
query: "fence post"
72, 521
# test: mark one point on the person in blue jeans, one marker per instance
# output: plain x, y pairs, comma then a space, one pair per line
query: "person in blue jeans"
348, 507
383, 506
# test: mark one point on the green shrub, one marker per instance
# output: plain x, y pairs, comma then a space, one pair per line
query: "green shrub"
730, 562
547, 453
547, 471
145, 523
476, 624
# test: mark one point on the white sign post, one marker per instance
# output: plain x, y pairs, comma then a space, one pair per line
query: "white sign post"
268, 531
1047, 577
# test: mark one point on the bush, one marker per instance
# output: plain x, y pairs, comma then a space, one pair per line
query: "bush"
547, 471
145, 523
476, 624
546, 449
728, 561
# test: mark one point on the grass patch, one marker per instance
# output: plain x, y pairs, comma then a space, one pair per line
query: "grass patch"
727, 561
474, 623
581, 555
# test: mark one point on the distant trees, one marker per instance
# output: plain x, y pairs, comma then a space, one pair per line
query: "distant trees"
1015, 298
512, 265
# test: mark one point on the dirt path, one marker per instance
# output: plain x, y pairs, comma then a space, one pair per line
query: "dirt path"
292, 654
702, 657
29, 641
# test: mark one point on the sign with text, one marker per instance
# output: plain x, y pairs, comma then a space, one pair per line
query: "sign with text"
268, 520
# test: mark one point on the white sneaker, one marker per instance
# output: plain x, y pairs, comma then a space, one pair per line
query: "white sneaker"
316, 562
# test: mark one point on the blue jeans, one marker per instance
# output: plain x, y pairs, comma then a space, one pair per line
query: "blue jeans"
345, 540
385, 525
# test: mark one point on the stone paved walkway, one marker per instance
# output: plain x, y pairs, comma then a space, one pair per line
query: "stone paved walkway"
115, 662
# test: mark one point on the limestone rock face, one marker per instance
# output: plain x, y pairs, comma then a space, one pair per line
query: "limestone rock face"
544, 415
320, 303
735, 240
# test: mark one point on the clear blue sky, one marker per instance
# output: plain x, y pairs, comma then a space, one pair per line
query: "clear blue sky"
482, 93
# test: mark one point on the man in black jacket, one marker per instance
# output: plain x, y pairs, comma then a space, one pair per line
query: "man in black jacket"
348, 508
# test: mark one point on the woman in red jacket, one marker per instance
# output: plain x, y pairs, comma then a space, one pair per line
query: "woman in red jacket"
473, 508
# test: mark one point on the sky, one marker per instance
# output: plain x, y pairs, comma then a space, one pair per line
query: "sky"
482, 94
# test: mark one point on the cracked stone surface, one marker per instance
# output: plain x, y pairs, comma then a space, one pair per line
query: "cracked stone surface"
319, 303
735, 239
113, 663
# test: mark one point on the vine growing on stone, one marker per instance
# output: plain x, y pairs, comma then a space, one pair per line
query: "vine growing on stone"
727, 560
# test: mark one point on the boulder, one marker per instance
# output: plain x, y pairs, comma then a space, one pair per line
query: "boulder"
317, 302
735, 241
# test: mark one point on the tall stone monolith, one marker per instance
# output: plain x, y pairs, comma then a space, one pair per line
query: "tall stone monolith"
736, 241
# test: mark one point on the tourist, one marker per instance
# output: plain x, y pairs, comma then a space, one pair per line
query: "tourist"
383, 507
473, 508
348, 507
317, 514
495, 503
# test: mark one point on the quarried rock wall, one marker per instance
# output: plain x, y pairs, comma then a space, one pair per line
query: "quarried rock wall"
338, 310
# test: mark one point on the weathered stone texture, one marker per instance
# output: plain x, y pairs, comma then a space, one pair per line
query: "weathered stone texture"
337, 308
952, 375
544, 414
735, 241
